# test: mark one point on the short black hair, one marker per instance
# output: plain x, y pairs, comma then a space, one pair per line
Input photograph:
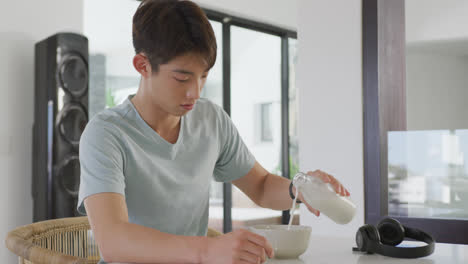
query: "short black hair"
165, 29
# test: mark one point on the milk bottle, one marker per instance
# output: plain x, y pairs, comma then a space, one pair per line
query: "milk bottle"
322, 196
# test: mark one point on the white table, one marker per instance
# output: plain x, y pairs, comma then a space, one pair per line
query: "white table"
324, 250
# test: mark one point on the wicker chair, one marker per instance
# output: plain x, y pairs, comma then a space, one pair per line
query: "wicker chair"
59, 241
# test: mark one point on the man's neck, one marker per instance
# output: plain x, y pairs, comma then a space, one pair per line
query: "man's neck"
163, 123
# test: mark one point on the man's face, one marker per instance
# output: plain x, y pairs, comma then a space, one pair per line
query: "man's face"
176, 87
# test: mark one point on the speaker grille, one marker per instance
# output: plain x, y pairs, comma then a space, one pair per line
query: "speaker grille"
73, 75
68, 172
72, 121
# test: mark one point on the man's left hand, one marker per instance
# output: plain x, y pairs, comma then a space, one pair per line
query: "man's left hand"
327, 178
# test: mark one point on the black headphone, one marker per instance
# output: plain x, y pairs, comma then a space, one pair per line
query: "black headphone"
389, 233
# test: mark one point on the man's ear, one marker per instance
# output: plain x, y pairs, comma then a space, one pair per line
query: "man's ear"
142, 65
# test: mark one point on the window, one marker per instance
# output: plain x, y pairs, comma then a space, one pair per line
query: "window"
293, 105
416, 131
256, 87
245, 42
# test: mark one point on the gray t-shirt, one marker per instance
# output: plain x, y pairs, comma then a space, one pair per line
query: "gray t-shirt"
166, 186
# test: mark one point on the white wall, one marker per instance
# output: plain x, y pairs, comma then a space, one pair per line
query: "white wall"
329, 77
23, 23
111, 36
437, 89
437, 63
433, 20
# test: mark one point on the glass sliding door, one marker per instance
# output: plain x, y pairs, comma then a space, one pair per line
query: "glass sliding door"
256, 111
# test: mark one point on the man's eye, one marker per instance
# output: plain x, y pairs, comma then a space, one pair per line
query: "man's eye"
181, 80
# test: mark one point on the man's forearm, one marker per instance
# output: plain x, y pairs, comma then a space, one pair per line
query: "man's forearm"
276, 193
132, 243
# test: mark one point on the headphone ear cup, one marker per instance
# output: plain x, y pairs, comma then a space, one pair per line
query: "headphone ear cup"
365, 235
373, 233
361, 239
391, 232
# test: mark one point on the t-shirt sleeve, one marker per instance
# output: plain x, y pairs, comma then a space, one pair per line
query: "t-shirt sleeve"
235, 159
101, 163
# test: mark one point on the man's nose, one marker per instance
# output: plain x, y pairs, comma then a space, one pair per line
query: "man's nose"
195, 90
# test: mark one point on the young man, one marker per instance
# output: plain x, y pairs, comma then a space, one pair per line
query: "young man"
146, 165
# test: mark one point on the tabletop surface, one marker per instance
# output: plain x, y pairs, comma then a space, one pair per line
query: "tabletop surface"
338, 250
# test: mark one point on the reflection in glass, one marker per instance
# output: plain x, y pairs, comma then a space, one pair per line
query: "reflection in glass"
428, 174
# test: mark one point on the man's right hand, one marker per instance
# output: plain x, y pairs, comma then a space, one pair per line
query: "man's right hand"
238, 247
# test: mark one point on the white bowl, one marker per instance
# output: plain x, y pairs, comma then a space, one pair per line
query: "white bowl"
287, 244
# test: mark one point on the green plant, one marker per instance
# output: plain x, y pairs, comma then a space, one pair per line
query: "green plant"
110, 100
293, 168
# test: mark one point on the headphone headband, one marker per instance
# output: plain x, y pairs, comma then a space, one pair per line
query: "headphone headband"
405, 252
419, 235
401, 252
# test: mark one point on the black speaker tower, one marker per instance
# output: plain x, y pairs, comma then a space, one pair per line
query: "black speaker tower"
60, 116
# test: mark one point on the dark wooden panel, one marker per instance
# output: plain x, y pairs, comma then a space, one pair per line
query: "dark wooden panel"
371, 111
392, 79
